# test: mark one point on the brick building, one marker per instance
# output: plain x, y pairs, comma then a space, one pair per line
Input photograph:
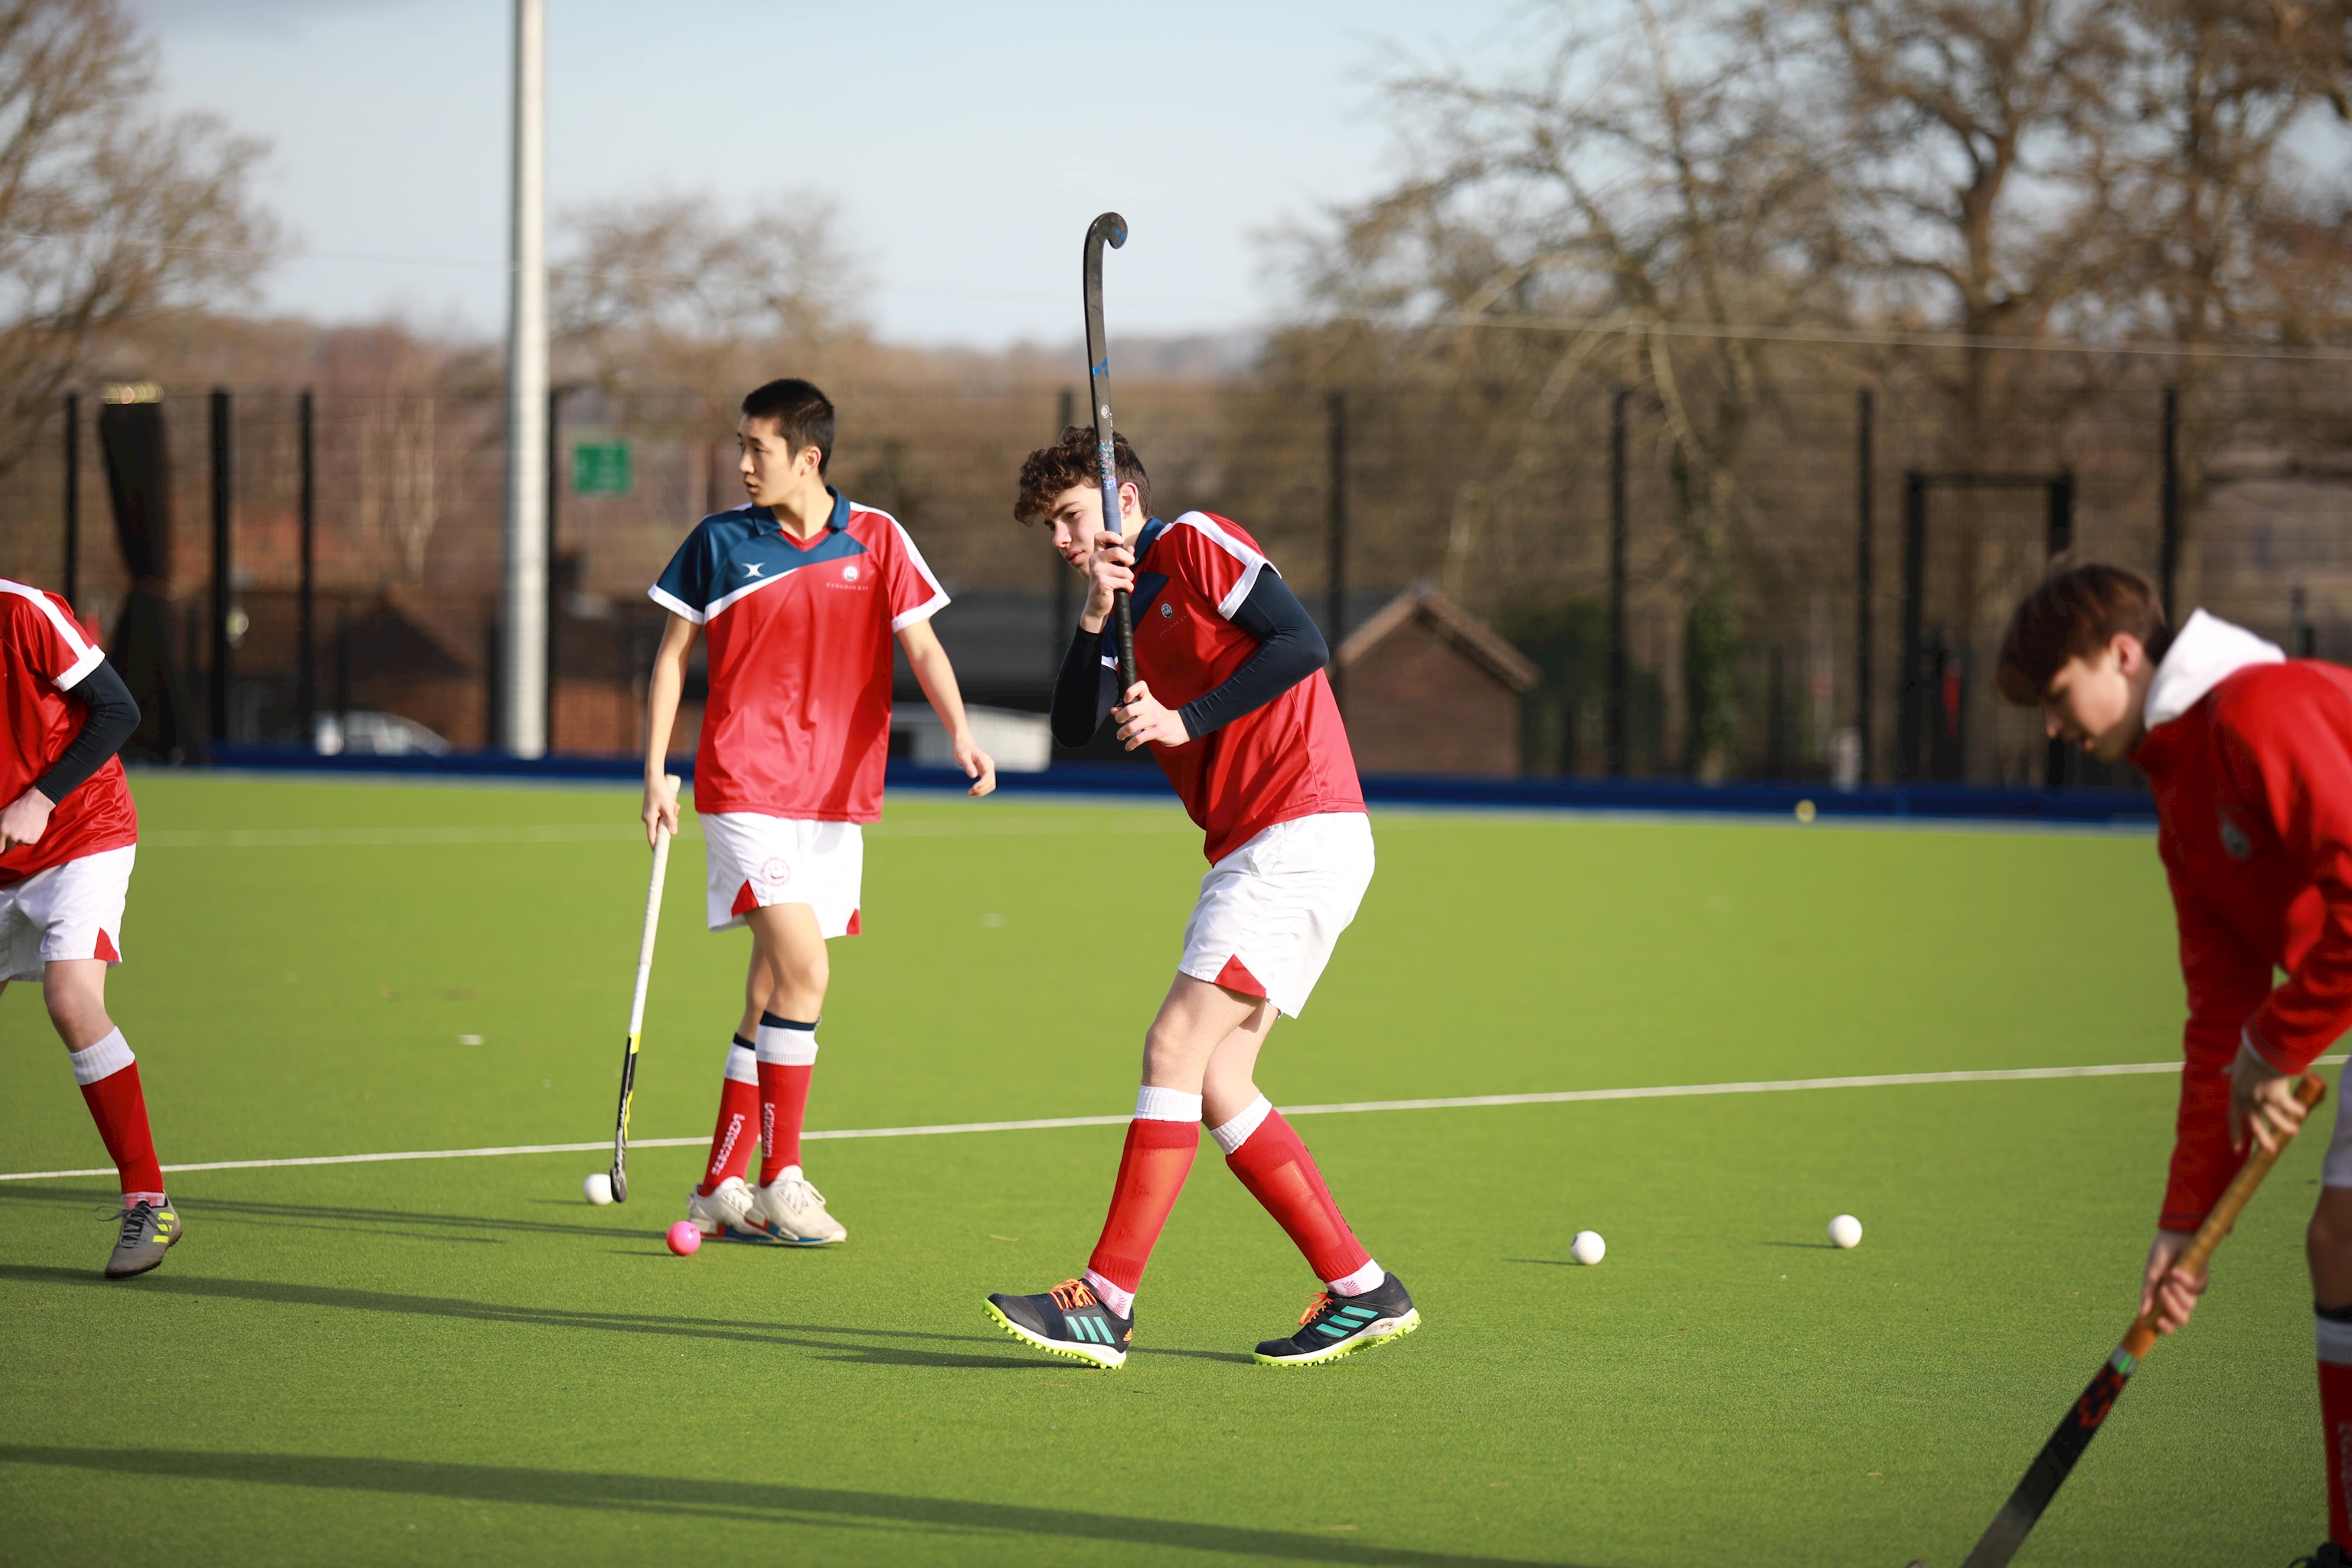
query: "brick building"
1428, 689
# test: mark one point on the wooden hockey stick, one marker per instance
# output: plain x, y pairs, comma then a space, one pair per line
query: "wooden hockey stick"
2056, 1460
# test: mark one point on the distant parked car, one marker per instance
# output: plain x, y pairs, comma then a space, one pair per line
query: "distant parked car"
369, 734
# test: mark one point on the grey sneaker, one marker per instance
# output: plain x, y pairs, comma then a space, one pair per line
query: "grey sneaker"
148, 1232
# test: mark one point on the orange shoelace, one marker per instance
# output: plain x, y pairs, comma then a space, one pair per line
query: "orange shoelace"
1073, 1293
1314, 1308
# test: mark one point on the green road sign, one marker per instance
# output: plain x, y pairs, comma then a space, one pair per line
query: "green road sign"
600, 469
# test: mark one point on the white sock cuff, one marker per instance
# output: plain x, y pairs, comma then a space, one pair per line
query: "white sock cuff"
1236, 1134
742, 1067
2334, 1342
104, 1059
790, 1047
1165, 1105
1111, 1296
1362, 1280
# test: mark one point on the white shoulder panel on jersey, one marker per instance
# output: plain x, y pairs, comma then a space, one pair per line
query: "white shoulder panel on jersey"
1251, 561
905, 542
86, 657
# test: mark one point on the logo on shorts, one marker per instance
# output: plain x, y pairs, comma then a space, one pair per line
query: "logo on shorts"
775, 870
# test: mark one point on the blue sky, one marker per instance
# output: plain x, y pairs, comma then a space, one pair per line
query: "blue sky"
968, 145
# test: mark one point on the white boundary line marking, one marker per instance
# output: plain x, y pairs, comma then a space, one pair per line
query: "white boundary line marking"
1461, 1102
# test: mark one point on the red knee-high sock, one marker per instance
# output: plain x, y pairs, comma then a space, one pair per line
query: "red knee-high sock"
2335, 1423
787, 1061
1151, 1171
108, 1076
1280, 1174
739, 1103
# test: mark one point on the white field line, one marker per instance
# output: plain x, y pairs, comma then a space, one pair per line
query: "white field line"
618, 833
1562, 1096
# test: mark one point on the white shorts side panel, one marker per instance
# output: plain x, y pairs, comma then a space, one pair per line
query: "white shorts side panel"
73, 911
763, 860
2335, 1170
1276, 906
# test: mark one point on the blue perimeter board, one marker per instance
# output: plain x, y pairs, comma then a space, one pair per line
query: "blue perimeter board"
1932, 801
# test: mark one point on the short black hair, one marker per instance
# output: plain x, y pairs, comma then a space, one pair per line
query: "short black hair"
2072, 615
802, 413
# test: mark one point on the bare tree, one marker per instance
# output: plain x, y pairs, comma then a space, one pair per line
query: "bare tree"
672, 292
108, 216
1651, 174
1986, 185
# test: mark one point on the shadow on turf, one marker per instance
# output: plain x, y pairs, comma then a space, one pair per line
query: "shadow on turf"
328, 1216
840, 1345
725, 1499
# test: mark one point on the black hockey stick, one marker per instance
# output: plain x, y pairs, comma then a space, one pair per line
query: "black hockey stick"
1108, 229
2056, 1460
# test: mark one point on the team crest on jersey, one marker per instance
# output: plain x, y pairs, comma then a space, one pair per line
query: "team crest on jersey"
849, 572
2234, 842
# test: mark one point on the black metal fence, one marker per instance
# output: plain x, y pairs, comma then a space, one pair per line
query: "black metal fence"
337, 551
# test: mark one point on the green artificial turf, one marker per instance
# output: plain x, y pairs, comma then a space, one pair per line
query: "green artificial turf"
459, 1361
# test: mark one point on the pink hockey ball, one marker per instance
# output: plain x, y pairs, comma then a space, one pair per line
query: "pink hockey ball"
684, 1238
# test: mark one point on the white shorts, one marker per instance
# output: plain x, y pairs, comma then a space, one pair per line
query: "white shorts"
756, 861
73, 911
1271, 912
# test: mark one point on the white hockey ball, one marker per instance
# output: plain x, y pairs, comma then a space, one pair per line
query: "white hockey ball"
597, 1189
1588, 1247
1845, 1231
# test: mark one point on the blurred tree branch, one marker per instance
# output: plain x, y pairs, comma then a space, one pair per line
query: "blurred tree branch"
108, 217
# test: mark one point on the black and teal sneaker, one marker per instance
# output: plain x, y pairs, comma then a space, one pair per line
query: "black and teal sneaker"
2329, 1555
1336, 1325
148, 1232
1066, 1320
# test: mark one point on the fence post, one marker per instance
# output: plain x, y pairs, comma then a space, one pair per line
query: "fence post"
1863, 471
306, 608
554, 607
2168, 520
1907, 691
223, 566
1336, 614
1618, 527
73, 497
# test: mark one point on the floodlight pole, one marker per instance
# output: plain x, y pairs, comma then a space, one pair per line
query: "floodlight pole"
523, 640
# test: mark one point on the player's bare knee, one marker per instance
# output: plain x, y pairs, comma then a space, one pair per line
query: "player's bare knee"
2328, 1240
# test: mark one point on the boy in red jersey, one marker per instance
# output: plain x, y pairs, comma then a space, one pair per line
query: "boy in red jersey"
1231, 696
68, 836
2248, 754
797, 593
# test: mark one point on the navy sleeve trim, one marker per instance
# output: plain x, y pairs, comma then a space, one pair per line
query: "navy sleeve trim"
1291, 648
113, 719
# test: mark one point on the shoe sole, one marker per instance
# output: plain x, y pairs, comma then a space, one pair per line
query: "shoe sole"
1093, 1355
781, 1240
1372, 1335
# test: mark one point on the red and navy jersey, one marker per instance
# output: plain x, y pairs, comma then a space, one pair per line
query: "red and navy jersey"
798, 721
1288, 759
43, 654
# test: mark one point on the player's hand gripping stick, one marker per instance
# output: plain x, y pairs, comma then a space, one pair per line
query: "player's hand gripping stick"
1108, 229
2051, 1467
638, 1001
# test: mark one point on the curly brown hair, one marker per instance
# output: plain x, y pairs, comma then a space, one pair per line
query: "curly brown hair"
1073, 460
2072, 615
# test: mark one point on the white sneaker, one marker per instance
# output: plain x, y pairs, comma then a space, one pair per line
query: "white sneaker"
727, 1206
791, 1211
